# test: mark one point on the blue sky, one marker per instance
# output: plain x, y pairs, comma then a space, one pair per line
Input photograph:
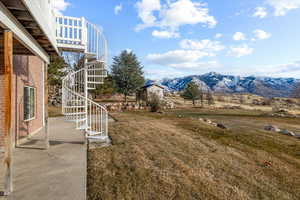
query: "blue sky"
174, 38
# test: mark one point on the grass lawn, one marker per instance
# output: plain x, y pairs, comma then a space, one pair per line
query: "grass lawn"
54, 111
176, 156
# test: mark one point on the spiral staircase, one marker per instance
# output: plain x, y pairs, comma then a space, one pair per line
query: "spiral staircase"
88, 116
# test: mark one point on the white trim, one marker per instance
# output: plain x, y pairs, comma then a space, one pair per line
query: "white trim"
43, 91
35, 104
8, 21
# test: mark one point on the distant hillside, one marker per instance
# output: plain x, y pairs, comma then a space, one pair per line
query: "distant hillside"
264, 86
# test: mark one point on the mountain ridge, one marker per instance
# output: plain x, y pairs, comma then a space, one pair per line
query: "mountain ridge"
216, 82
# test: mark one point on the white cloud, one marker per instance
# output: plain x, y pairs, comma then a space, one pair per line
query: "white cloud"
118, 9
239, 51
162, 73
261, 35
239, 36
291, 69
283, 6
218, 35
260, 12
205, 45
165, 34
173, 14
179, 58
146, 10
183, 12
59, 6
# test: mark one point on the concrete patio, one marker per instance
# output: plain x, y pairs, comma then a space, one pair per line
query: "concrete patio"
58, 173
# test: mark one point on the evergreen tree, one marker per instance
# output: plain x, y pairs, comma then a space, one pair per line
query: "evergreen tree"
192, 92
127, 73
56, 71
107, 88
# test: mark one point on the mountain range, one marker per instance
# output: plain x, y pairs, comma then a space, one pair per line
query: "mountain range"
264, 86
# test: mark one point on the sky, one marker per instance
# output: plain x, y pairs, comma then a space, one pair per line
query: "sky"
176, 38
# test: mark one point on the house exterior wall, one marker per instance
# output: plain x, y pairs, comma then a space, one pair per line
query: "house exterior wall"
156, 90
28, 71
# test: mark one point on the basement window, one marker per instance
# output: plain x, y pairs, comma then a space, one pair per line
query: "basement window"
29, 103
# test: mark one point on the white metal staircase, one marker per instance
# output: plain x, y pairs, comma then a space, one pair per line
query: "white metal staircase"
76, 105
79, 35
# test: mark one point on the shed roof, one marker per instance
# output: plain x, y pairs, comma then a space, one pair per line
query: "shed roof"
153, 84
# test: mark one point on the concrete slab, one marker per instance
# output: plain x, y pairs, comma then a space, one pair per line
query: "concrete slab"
58, 173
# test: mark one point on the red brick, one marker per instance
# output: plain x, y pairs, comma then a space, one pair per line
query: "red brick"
27, 71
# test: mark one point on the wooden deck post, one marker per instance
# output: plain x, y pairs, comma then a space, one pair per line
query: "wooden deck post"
8, 71
47, 146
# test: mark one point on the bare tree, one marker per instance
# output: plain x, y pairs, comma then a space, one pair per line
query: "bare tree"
74, 60
210, 98
241, 99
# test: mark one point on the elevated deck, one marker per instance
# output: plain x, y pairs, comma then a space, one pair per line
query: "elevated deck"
79, 35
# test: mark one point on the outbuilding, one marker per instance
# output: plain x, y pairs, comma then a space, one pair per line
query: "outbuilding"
145, 92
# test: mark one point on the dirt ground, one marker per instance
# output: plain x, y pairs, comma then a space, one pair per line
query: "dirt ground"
175, 156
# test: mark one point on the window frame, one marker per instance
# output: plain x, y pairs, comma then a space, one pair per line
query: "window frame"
34, 103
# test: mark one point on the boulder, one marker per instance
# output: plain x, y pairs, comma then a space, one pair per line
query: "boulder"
214, 124
272, 128
287, 132
222, 126
207, 121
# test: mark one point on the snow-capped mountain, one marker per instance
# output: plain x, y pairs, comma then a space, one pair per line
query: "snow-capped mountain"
264, 86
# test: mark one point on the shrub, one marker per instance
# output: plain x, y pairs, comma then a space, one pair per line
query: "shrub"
155, 102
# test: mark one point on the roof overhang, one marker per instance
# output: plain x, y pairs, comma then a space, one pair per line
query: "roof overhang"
20, 18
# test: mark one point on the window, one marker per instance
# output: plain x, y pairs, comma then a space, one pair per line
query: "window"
65, 21
75, 33
66, 32
60, 20
61, 32
75, 22
70, 22
70, 33
79, 33
29, 103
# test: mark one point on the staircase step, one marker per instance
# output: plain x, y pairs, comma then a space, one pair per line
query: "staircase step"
74, 106
76, 120
97, 69
98, 138
96, 76
77, 113
83, 127
75, 100
91, 82
93, 133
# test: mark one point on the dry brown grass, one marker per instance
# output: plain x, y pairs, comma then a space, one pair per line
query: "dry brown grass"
54, 111
175, 156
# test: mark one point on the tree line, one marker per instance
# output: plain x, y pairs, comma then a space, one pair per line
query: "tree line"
126, 74
125, 77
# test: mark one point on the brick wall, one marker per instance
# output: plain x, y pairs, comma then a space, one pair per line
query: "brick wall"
27, 72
